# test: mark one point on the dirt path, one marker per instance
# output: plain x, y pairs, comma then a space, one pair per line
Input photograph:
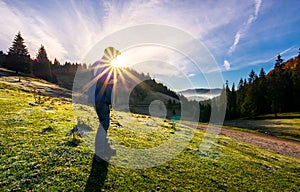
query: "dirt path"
282, 146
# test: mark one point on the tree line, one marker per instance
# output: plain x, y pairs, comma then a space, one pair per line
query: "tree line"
19, 60
272, 93
275, 92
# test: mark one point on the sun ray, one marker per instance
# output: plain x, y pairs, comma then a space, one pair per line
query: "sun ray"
131, 76
106, 80
112, 66
120, 73
94, 80
104, 60
115, 83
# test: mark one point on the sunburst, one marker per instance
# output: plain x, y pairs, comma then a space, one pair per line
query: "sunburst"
117, 62
113, 65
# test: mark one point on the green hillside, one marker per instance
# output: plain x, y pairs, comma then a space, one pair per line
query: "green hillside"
39, 154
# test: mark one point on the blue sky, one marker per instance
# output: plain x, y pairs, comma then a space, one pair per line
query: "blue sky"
240, 35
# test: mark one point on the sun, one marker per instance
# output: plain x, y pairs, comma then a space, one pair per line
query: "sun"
118, 62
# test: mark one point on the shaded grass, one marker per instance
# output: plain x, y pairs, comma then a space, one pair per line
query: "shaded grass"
291, 115
35, 156
284, 126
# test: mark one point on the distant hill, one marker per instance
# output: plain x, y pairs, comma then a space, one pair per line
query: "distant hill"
201, 94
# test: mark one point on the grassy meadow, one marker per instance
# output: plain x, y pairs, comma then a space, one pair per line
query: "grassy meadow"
39, 154
287, 125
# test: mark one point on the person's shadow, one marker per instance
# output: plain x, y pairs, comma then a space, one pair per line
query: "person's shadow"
97, 176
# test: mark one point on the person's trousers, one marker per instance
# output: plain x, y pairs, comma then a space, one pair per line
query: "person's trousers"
101, 141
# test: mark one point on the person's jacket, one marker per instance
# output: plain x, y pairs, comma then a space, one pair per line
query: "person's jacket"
100, 89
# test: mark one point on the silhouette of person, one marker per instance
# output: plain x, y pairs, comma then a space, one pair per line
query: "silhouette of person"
100, 94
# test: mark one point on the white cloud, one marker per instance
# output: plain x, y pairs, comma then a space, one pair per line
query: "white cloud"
226, 65
69, 29
34, 31
245, 27
235, 43
286, 50
191, 75
257, 7
65, 32
265, 58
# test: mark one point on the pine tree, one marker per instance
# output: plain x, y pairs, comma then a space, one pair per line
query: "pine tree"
279, 61
2, 58
56, 64
228, 97
42, 55
55, 67
241, 83
252, 77
245, 82
240, 97
276, 88
41, 66
55, 70
262, 93
249, 105
233, 99
18, 57
262, 73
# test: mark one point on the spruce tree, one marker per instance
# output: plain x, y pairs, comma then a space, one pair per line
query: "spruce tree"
262, 73
240, 97
228, 97
18, 57
276, 87
262, 93
279, 61
55, 67
241, 83
56, 64
42, 65
233, 102
249, 106
2, 58
252, 77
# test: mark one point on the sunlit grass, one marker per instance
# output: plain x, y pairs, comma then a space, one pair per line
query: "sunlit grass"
35, 154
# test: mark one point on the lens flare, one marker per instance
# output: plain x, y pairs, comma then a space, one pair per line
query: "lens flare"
117, 62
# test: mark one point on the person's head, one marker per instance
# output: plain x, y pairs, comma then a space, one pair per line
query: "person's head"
110, 53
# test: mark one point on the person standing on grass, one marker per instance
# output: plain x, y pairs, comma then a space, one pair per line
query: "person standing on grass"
100, 93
